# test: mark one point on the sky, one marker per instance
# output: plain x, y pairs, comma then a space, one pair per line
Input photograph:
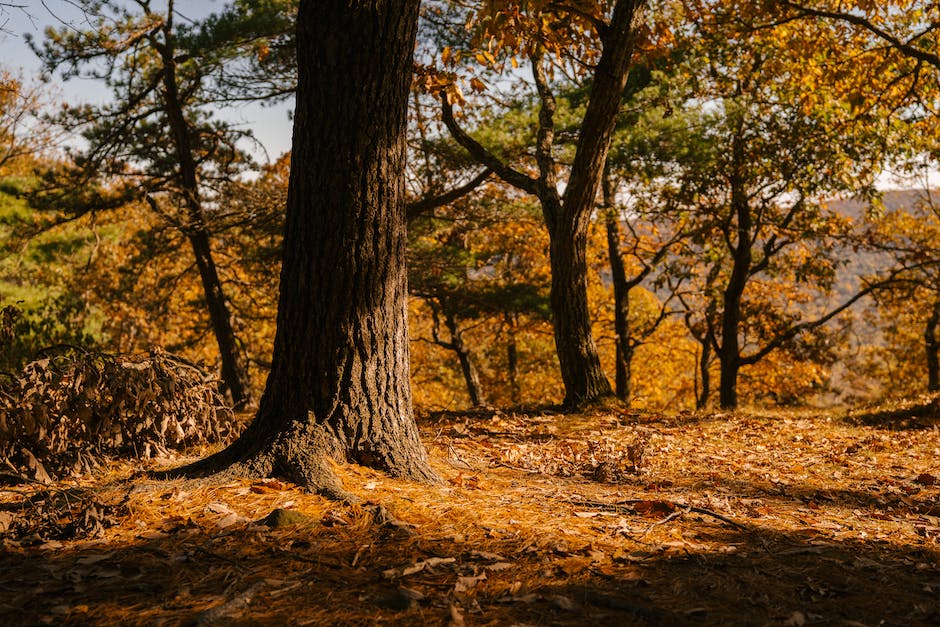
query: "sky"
270, 125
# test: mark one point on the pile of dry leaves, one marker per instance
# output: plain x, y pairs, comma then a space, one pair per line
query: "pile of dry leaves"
70, 409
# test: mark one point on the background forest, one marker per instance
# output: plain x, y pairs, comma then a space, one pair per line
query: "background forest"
672, 297
766, 233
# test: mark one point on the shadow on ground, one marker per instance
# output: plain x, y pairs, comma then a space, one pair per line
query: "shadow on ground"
348, 570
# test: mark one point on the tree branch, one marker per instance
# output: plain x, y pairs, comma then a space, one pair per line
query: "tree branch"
904, 47
424, 205
515, 178
796, 329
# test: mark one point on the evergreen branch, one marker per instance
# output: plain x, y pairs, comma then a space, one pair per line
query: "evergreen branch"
479, 152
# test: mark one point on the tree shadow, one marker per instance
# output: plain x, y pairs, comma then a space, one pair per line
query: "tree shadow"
344, 569
908, 414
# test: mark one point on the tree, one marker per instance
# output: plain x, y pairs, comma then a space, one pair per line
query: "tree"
545, 34
158, 136
339, 383
751, 169
646, 253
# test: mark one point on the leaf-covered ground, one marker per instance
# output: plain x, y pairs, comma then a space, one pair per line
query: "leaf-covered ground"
603, 518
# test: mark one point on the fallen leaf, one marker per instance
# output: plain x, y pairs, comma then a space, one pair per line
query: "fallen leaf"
466, 584
574, 565
562, 602
417, 567
498, 566
456, 618
925, 479
654, 509
6, 519
94, 558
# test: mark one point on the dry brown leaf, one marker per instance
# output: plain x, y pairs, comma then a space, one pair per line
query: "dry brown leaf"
654, 509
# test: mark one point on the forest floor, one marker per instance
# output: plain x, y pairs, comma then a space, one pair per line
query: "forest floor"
611, 516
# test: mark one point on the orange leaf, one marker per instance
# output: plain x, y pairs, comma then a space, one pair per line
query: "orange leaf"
654, 509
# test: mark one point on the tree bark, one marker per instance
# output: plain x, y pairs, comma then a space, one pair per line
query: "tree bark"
624, 346
932, 347
470, 375
577, 354
512, 360
703, 397
567, 219
339, 382
234, 374
729, 352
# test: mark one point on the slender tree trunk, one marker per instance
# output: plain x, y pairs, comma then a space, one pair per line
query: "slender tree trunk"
701, 401
580, 365
932, 347
624, 347
728, 384
234, 374
471, 376
567, 219
512, 361
339, 381
729, 353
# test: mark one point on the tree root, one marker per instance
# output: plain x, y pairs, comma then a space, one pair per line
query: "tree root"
301, 455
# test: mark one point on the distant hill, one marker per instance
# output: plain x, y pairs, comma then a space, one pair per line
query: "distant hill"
893, 200
867, 263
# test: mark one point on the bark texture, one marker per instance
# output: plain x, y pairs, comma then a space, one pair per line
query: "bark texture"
339, 383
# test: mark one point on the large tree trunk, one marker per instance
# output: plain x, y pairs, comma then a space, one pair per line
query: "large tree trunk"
932, 347
234, 374
339, 381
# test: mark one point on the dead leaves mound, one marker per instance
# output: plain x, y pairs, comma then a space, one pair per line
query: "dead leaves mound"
68, 411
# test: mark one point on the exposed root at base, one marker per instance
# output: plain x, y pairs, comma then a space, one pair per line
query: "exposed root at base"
302, 454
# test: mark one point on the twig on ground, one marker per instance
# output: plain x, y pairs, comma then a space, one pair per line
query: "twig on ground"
671, 516
724, 519
516, 468
628, 507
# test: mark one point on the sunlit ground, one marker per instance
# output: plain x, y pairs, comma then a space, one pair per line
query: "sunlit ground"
611, 517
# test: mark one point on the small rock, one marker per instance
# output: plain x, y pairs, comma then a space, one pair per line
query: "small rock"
285, 518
